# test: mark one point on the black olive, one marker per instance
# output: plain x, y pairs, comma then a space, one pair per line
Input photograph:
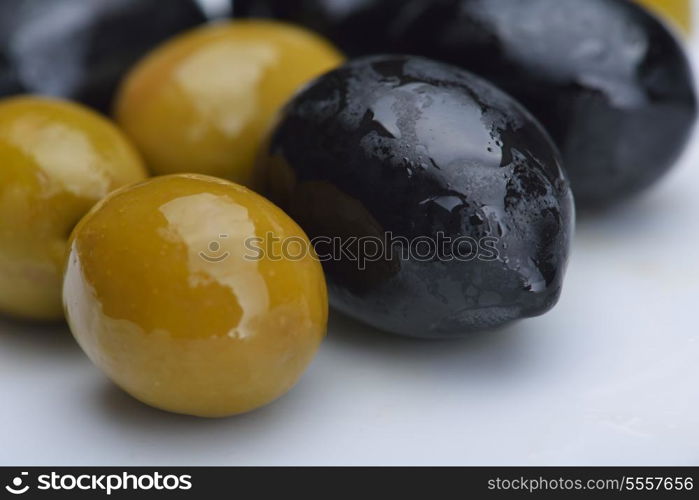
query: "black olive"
436, 202
610, 82
80, 49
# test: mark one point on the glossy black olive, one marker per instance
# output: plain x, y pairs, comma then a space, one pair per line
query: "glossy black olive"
80, 49
608, 80
436, 202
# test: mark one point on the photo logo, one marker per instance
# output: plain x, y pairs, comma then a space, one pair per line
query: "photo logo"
363, 250
360, 250
16, 487
213, 253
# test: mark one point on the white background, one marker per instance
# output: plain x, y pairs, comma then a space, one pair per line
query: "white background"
611, 376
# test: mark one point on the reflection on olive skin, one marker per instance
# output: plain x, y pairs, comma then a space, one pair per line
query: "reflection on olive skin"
80, 49
414, 148
203, 101
183, 324
609, 81
329, 212
58, 160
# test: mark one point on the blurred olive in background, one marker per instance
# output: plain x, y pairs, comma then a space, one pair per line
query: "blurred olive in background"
202, 102
357, 27
57, 159
679, 11
609, 80
80, 49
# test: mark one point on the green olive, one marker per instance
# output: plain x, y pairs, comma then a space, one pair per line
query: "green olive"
167, 291
202, 102
58, 160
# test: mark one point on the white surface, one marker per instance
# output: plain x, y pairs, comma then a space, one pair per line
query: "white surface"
611, 376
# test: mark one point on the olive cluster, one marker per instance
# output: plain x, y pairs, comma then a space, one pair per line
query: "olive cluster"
139, 171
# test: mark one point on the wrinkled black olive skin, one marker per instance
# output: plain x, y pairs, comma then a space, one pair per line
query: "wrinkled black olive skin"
391, 147
610, 82
80, 49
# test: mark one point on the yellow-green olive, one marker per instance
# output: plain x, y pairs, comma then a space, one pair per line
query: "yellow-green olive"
58, 160
170, 290
202, 102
